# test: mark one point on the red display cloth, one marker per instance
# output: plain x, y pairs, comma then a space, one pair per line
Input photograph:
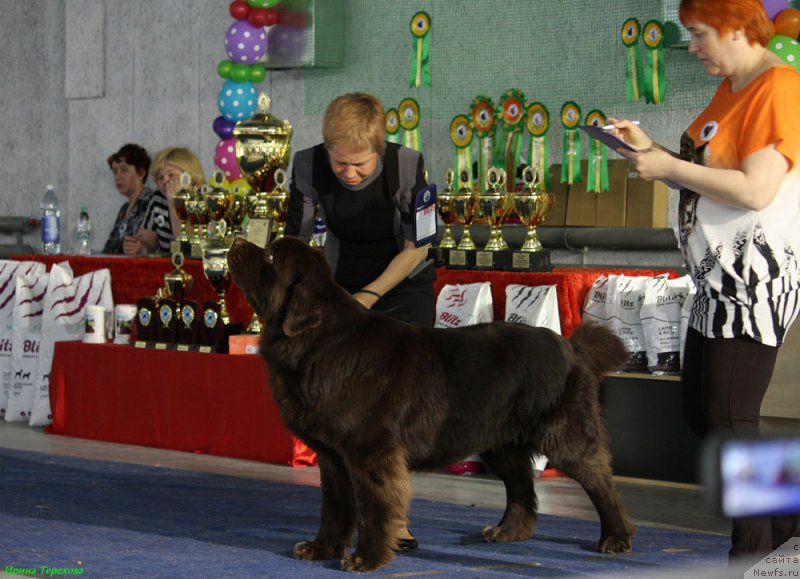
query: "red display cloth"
572, 284
212, 403
133, 278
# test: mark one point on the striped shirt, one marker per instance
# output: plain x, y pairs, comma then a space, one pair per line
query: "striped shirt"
151, 212
743, 262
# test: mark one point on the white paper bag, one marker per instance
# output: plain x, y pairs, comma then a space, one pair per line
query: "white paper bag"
464, 305
533, 305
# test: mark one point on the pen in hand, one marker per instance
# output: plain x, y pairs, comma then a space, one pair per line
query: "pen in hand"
609, 127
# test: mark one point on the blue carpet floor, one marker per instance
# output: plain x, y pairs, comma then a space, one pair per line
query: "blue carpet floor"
108, 519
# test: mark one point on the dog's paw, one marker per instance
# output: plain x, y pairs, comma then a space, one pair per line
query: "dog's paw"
615, 544
356, 562
313, 551
503, 535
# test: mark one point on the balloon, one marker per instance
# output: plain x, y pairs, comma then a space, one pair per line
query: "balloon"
225, 159
245, 43
223, 127
787, 23
240, 72
257, 73
262, 3
258, 17
272, 16
286, 45
237, 101
787, 48
239, 9
772, 7
224, 68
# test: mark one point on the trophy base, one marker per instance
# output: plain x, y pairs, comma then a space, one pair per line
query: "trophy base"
503, 260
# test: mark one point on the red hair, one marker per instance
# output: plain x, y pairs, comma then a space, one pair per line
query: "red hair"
728, 15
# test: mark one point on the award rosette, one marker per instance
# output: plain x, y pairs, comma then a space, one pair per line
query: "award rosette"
420, 65
409, 120
631, 31
571, 161
655, 85
537, 121
597, 177
510, 117
461, 137
392, 126
482, 119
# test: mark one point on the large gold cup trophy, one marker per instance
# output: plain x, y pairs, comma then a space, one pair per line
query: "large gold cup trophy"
444, 205
263, 145
464, 206
531, 206
495, 205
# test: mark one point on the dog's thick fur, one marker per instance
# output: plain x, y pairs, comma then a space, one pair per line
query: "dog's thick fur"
376, 398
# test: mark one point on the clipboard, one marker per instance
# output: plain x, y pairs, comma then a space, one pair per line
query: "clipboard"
619, 146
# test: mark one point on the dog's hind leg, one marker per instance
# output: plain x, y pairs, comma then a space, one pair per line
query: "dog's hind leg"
513, 467
382, 489
338, 512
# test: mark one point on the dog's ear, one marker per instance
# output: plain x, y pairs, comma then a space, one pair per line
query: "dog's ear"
257, 292
302, 314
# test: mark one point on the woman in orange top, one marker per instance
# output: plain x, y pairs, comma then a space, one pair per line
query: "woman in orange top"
739, 228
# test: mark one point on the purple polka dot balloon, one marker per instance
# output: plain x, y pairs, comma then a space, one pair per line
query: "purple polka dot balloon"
245, 43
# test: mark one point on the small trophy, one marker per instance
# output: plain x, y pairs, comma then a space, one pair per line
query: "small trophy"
145, 322
464, 207
531, 206
278, 202
198, 217
179, 281
236, 214
445, 207
179, 198
495, 205
218, 201
215, 268
188, 325
211, 333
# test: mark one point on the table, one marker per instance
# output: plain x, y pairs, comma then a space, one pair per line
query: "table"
209, 403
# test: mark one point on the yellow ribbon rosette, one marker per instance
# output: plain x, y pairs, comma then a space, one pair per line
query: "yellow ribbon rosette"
537, 121
655, 85
409, 120
482, 118
571, 160
420, 65
461, 136
597, 178
392, 126
510, 116
633, 63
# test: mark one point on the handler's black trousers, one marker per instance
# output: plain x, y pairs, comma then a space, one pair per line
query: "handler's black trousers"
724, 381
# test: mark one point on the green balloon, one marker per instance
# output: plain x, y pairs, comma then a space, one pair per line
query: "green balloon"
257, 73
224, 68
262, 3
788, 49
240, 72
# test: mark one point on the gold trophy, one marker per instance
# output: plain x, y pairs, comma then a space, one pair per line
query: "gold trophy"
179, 199
218, 201
215, 268
263, 145
198, 217
444, 205
236, 213
531, 206
495, 205
178, 282
464, 206
278, 203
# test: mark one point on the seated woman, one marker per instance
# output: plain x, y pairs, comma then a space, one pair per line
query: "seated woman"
142, 225
168, 166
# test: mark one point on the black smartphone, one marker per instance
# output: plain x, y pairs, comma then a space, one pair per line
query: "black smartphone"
750, 477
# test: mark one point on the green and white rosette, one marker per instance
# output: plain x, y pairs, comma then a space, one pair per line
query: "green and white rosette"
482, 119
631, 31
461, 136
537, 121
511, 111
571, 159
420, 66
393, 126
655, 84
409, 120
597, 171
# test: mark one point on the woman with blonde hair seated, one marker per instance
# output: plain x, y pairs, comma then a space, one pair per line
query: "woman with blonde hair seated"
168, 166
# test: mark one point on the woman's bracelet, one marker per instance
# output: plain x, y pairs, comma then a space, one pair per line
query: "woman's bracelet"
370, 292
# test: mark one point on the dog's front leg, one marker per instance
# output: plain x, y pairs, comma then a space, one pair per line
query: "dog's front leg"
338, 512
382, 487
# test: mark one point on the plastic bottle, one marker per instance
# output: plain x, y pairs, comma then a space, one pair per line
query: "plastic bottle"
83, 234
320, 232
51, 223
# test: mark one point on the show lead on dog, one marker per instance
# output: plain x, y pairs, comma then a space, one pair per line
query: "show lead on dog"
739, 220
365, 188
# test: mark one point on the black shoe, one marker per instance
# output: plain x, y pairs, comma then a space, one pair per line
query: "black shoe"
404, 545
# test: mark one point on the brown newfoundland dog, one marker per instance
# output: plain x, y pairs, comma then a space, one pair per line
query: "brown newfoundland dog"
377, 398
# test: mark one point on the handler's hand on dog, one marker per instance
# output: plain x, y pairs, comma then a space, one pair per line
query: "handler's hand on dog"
366, 300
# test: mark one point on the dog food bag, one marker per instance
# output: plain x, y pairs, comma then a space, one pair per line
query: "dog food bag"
9, 270
26, 331
63, 319
661, 322
464, 305
533, 305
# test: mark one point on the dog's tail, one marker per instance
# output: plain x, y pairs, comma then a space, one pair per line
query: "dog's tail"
599, 348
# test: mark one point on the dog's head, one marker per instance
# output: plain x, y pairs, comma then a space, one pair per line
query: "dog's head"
287, 284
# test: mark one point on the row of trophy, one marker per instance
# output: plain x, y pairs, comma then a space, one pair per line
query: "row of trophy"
493, 207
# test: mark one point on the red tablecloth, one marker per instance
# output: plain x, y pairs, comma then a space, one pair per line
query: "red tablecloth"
215, 403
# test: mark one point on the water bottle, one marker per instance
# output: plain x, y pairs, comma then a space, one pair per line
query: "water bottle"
320, 232
83, 234
51, 223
